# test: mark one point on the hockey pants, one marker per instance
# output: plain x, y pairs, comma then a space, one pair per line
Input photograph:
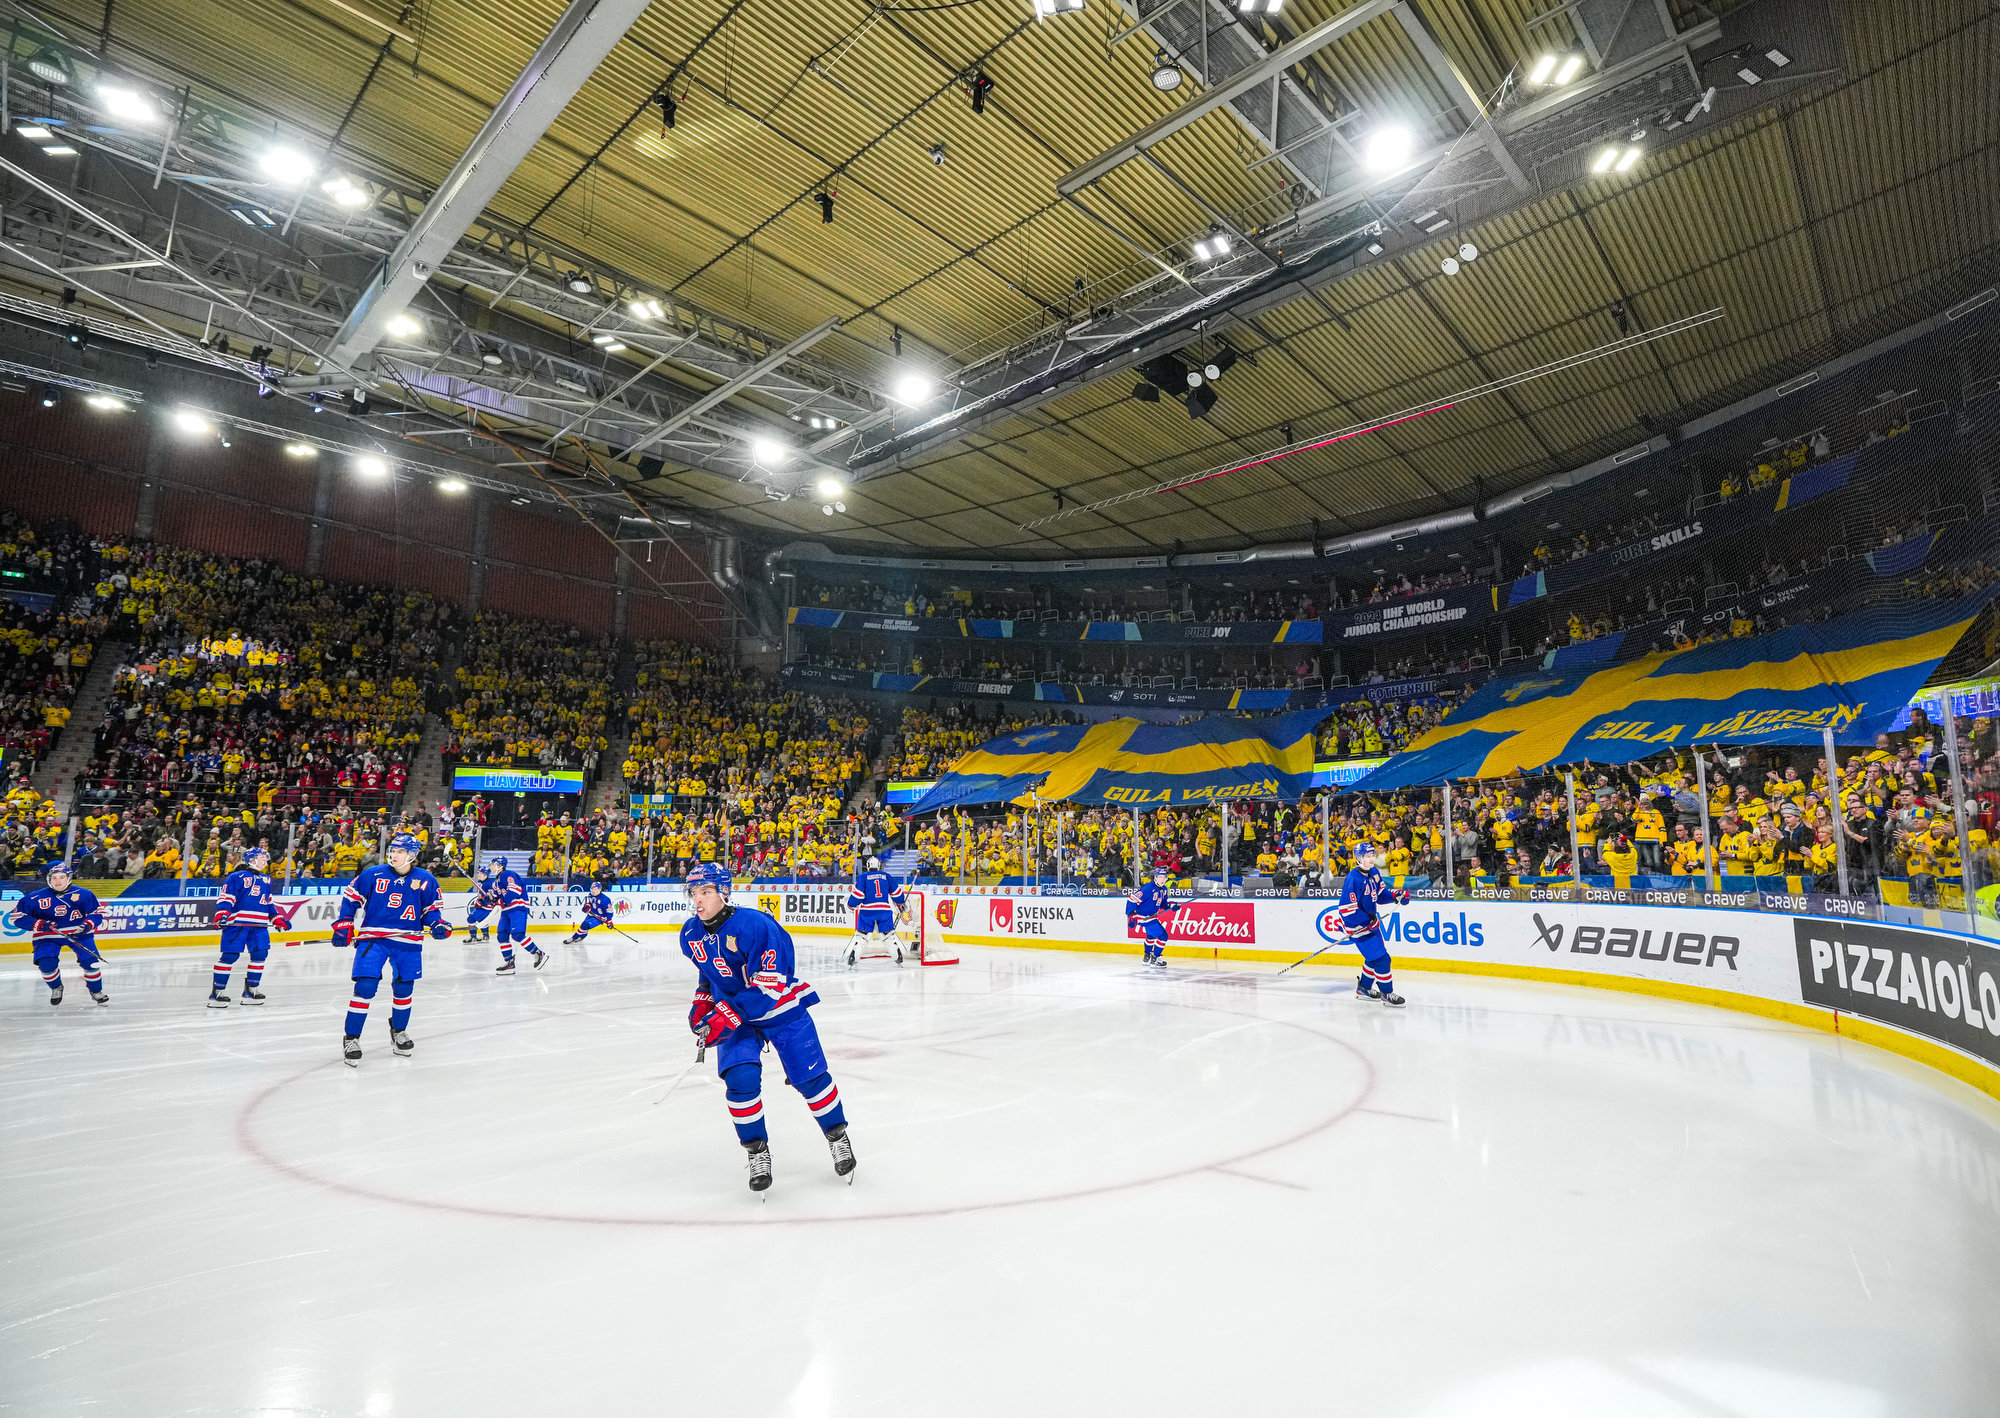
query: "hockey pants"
48, 959
1156, 939
407, 965
235, 941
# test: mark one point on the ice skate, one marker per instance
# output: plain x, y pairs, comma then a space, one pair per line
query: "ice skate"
1363, 990
853, 957
350, 1050
253, 997
100, 997
1392, 999
571, 939
843, 1152
217, 1000
760, 1164
899, 955
402, 1043
506, 968
55, 994
542, 957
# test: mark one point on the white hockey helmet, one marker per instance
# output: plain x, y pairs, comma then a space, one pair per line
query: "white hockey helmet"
874, 864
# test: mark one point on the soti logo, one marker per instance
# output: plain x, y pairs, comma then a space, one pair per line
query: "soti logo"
947, 911
1001, 915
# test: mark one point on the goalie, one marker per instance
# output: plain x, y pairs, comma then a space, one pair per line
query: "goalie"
878, 901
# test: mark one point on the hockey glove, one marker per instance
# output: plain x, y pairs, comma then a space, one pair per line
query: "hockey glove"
343, 934
440, 931
720, 1020
698, 1012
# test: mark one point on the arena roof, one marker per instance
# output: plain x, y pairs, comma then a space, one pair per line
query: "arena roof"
1851, 188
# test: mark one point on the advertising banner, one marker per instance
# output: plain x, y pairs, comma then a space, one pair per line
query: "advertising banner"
483, 778
1943, 987
1133, 696
1441, 610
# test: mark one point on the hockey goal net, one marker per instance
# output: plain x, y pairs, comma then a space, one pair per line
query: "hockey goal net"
925, 936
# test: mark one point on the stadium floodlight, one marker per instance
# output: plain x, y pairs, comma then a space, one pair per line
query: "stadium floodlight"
769, 452
404, 327
1388, 148
615, 347
127, 104
1166, 74
34, 132
50, 68
1468, 252
344, 191
106, 402
369, 466
1260, 7
1449, 265
60, 150
1544, 67
913, 388
1046, 8
1605, 159
286, 166
646, 308
190, 422
577, 283
1571, 67
830, 487
451, 485
52, 395
301, 450
1627, 159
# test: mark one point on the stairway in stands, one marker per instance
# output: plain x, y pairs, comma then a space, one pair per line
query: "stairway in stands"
608, 792
901, 863
56, 775
427, 790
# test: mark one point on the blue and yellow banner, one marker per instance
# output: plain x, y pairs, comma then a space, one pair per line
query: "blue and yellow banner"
482, 778
1853, 675
1133, 764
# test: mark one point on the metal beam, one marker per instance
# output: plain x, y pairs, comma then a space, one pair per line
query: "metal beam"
1455, 85
1238, 84
563, 64
720, 392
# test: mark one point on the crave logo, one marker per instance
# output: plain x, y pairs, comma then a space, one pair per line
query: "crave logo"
1210, 923
946, 912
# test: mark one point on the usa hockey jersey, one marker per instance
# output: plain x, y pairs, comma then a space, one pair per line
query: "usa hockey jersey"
597, 908
745, 960
68, 914
509, 890
245, 900
1361, 896
876, 888
390, 907
1149, 903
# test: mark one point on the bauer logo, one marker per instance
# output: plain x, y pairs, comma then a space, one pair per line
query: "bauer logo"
1215, 923
1661, 945
1001, 915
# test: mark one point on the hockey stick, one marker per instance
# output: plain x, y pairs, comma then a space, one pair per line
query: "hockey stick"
701, 1052
1315, 955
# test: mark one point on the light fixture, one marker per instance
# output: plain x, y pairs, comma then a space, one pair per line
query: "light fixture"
50, 68
1449, 265
830, 487
913, 388
369, 466
614, 347
1045, 8
188, 421
1778, 57
1374, 248
34, 132
1388, 148
1431, 221
301, 450
344, 191
403, 327
1570, 68
1604, 161
1212, 247
453, 485
646, 308
937, 153
1631, 156
128, 104
840, 507
1256, 7
252, 215
1195, 378
1748, 75
77, 334
981, 87
286, 166
1224, 361
1199, 402
491, 359
577, 283
106, 402
1468, 252
52, 395
60, 150
1701, 105
769, 452
827, 509
602, 339
1544, 67
1166, 74
825, 200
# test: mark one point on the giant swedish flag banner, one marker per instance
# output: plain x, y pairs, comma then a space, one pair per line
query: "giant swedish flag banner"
1137, 764
1852, 674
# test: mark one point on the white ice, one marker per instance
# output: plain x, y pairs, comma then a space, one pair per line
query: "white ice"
1082, 1190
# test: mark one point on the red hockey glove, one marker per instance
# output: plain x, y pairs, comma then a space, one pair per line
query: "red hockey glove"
719, 1021
343, 934
698, 1012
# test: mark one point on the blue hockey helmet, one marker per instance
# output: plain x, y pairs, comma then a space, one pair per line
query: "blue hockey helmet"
257, 856
597, 886
1363, 848
405, 842
492, 865
1160, 875
56, 868
710, 874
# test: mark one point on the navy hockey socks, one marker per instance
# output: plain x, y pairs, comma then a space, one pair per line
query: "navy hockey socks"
399, 1005
254, 976
823, 1101
357, 1005
222, 969
745, 1085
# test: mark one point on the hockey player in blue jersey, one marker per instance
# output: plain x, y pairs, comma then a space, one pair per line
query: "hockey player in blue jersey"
244, 911
384, 913
61, 913
1360, 918
597, 911
748, 998
877, 900
512, 894
1143, 909
485, 901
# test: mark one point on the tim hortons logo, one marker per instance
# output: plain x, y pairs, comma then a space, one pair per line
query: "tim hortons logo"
1215, 923
947, 911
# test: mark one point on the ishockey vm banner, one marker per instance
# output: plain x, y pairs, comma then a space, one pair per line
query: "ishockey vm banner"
483, 778
1851, 675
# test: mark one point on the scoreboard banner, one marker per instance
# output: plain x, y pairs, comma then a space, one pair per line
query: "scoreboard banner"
494, 778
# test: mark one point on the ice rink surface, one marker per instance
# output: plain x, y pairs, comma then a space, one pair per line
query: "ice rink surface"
1083, 1189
